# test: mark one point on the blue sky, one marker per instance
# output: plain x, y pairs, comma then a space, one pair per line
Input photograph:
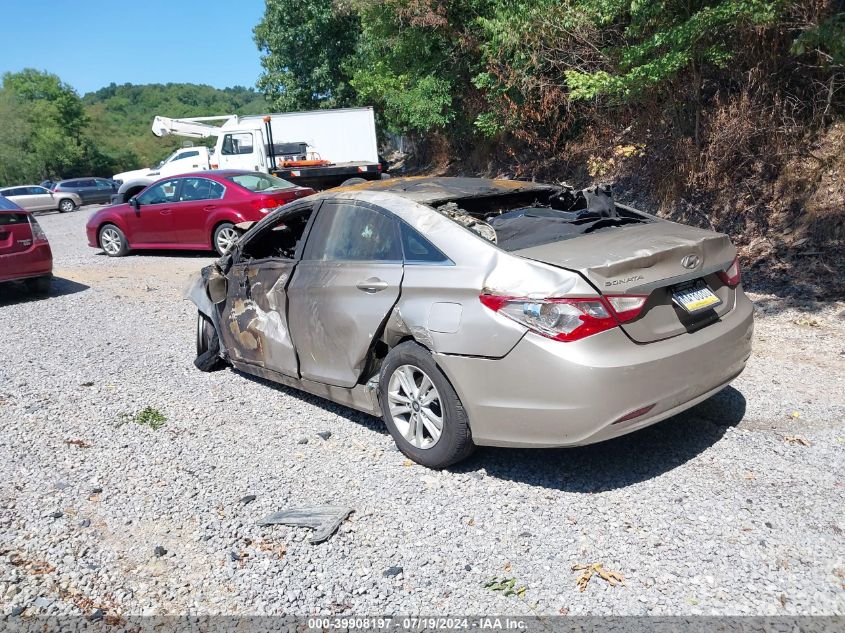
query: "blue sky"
91, 43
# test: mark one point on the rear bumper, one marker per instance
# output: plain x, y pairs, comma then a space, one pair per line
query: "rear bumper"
36, 261
548, 393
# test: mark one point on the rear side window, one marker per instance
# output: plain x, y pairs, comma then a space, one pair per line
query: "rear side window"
201, 189
419, 250
12, 218
348, 232
86, 183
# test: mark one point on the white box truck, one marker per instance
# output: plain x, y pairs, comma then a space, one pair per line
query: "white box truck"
319, 149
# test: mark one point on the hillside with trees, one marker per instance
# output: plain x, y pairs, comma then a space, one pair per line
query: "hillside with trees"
725, 113
48, 131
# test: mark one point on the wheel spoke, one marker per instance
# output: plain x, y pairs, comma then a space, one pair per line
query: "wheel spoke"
419, 431
395, 396
406, 379
400, 410
433, 426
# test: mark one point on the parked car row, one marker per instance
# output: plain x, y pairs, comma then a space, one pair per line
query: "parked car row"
63, 196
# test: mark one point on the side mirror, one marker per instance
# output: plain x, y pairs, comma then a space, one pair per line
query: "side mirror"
133, 202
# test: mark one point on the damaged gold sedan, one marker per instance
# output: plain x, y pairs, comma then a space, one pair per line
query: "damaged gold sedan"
469, 312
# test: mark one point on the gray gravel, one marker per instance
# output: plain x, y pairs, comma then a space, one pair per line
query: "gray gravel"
722, 510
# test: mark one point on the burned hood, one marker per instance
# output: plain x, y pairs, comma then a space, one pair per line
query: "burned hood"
434, 190
638, 258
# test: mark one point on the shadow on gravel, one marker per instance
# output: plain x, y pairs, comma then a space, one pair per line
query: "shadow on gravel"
621, 462
364, 419
17, 292
617, 463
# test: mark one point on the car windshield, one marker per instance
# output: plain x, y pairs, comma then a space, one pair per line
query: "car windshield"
169, 158
260, 182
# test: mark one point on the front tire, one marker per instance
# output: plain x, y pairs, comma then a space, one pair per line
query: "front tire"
66, 205
225, 237
421, 409
208, 346
113, 241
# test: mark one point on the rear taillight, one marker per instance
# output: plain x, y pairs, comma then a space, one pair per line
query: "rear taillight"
38, 234
626, 307
265, 204
731, 276
567, 319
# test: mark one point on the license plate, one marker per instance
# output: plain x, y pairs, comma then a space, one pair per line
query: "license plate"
695, 297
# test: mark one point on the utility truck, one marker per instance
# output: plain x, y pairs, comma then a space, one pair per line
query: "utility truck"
318, 149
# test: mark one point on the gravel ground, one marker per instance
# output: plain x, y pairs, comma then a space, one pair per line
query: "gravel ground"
722, 510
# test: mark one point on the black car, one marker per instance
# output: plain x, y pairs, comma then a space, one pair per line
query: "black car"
90, 190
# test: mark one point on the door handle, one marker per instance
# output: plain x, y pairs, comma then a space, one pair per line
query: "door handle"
165, 211
210, 207
371, 285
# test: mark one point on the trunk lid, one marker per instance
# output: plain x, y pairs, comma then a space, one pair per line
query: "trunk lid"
15, 232
648, 260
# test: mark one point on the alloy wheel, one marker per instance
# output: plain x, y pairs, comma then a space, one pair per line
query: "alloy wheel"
226, 239
66, 206
110, 241
415, 406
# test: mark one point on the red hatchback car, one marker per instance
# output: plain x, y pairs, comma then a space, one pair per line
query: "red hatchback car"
24, 251
195, 211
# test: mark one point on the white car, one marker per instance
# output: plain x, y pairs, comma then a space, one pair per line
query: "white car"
38, 198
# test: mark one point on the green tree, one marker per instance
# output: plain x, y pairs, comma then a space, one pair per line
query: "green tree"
304, 46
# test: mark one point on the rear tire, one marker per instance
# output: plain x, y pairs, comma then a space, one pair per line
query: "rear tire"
414, 427
40, 285
208, 346
66, 205
225, 237
352, 181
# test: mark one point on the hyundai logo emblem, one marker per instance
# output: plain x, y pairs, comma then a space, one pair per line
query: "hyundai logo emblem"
691, 261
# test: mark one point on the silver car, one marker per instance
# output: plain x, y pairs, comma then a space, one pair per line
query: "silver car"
38, 198
480, 312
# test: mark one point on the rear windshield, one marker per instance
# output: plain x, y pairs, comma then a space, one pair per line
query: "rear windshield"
526, 219
8, 205
13, 218
264, 183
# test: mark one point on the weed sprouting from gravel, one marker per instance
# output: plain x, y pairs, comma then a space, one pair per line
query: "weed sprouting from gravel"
506, 585
148, 416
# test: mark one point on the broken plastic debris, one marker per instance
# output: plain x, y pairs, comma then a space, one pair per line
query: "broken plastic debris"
323, 519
